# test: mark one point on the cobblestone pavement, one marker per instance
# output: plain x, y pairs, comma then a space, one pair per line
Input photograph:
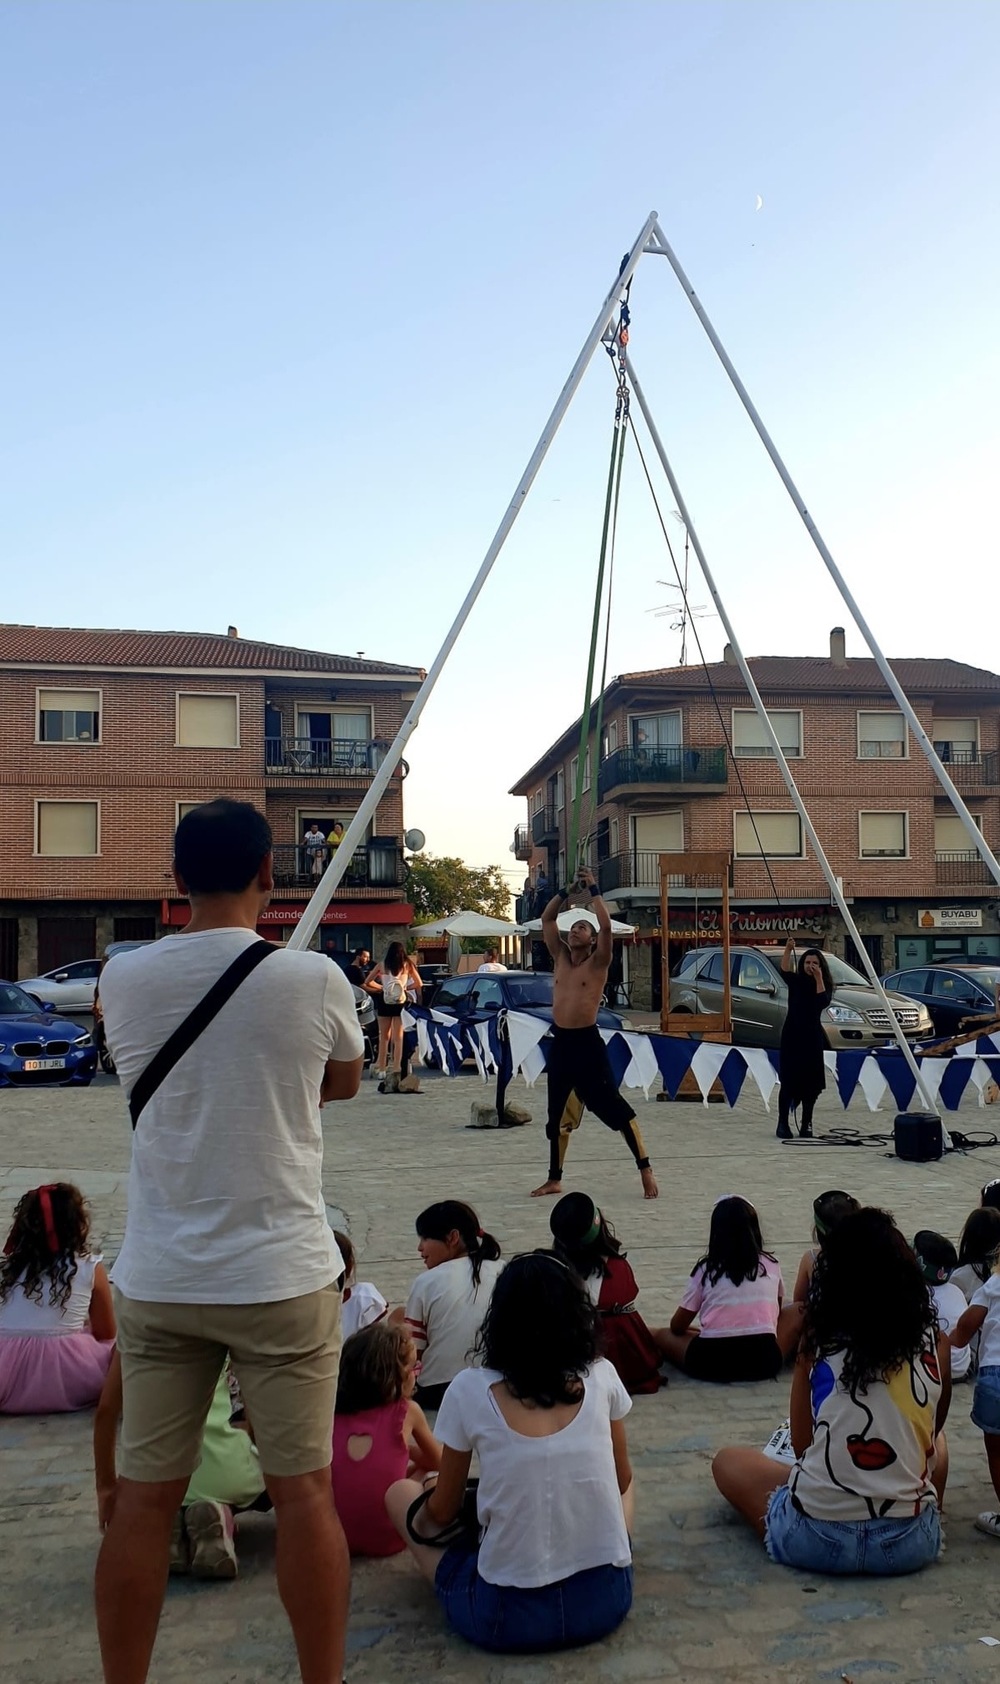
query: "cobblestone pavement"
709, 1606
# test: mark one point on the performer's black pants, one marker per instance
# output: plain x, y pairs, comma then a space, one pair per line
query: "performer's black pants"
580, 1079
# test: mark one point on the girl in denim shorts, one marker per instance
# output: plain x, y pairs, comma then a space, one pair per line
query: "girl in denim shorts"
983, 1317
869, 1398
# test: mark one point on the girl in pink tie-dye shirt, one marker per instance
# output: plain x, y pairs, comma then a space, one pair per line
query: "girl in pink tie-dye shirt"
736, 1294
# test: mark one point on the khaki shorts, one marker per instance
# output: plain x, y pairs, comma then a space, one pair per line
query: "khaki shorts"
285, 1356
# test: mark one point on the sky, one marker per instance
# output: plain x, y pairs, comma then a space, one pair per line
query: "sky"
290, 290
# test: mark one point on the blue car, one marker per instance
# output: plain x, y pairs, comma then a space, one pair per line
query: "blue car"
37, 1047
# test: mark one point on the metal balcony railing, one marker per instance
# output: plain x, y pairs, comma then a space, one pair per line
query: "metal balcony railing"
544, 826
344, 756
639, 869
671, 764
961, 867
969, 769
523, 847
376, 866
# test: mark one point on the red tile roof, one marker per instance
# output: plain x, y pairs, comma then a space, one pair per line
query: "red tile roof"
70, 646
809, 672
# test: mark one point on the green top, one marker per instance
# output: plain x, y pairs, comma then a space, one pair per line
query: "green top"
229, 1469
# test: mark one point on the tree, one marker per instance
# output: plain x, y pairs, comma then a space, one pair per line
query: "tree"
438, 887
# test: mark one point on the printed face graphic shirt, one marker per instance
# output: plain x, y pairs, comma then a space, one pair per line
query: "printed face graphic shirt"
871, 1450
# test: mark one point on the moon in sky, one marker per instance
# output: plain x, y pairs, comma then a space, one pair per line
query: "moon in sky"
760, 202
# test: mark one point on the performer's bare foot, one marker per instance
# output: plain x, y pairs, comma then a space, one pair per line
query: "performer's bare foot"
649, 1187
556, 1187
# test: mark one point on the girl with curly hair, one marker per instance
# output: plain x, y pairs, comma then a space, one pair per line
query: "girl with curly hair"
379, 1434
57, 1326
870, 1395
547, 1562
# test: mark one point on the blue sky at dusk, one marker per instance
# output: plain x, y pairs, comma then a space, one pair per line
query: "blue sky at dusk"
291, 288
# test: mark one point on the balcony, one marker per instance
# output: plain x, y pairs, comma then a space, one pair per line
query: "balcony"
328, 757
523, 847
639, 869
544, 826
962, 869
685, 770
969, 771
377, 866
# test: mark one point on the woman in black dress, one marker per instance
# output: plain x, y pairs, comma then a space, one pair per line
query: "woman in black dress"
803, 1043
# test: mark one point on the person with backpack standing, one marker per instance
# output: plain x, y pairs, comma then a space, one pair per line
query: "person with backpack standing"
394, 982
227, 1046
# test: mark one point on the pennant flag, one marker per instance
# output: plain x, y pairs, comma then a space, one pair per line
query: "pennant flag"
674, 1060
733, 1074
847, 1066
761, 1067
642, 1071
954, 1082
872, 1083
619, 1055
706, 1064
902, 1084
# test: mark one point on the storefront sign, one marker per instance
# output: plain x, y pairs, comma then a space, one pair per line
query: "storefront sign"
951, 918
284, 915
704, 923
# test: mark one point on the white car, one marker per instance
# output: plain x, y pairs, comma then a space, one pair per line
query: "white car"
70, 988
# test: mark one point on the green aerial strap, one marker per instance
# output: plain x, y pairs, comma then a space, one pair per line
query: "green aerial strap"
606, 561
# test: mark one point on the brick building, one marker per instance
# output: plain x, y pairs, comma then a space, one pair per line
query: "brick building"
667, 782
108, 737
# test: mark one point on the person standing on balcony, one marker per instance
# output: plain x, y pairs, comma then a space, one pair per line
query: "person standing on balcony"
543, 890
803, 1043
336, 836
579, 1072
314, 844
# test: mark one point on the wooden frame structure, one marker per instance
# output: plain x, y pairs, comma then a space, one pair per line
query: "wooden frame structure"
693, 1025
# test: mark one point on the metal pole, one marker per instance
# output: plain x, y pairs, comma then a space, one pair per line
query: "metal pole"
776, 749
975, 835
355, 835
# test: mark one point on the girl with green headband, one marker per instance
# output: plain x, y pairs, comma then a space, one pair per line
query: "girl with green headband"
587, 1243
828, 1209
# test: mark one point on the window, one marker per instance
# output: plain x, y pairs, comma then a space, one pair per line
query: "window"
713, 970
183, 808
69, 716
754, 973
538, 801
960, 990
67, 829
560, 789
882, 836
956, 739
951, 836
656, 730
453, 991
614, 834
610, 743
486, 995
881, 736
586, 771
208, 721
778, 836
750, 742
574, 767
660, 833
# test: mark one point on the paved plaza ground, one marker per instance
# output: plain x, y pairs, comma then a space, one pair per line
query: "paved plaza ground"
709, 1605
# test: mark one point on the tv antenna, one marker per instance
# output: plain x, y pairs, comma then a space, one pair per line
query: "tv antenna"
685, 610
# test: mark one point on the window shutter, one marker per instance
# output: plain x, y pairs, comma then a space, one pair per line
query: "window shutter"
950, 835
67, 828
780, 835
883, 833
68, 701
207, 722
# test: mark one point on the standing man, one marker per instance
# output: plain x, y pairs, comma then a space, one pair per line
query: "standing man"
579, 1074
227, 1247
491, 961
314, 846
360, 965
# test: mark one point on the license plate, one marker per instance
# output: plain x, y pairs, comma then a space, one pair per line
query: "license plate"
44, 1064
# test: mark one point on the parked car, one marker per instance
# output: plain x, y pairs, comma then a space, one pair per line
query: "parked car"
950, 992
517, 991
68, 987
432, 976
854, 1019
37, 1047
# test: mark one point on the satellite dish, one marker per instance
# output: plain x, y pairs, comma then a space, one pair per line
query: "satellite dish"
414, 840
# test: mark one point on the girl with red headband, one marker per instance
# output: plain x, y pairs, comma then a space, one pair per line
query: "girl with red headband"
587, 1242
57, 1326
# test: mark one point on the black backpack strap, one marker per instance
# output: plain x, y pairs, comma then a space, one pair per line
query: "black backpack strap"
186, 1033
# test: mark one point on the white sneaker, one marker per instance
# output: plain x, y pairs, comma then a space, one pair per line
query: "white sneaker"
988, 1523
209, 1527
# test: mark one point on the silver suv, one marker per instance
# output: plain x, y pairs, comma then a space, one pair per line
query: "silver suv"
854, 1020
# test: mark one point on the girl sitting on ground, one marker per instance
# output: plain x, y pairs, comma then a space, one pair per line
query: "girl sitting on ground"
546, 1563
869, 1398
938, 1260
977, 1250
379, 1435
982, 1320
829, 1209
587, 1242
227, 1480
744, 1332
362, 1303
447, 1303
57, 1324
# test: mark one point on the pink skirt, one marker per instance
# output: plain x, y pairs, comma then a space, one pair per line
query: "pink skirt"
44, 1373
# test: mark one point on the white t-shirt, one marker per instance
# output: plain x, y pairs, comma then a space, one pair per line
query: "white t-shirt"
949, 1301
495, 966
444, 1313
20, 1314
549, 1507
967, 1279
225, 1204
362, 1308
988, 1298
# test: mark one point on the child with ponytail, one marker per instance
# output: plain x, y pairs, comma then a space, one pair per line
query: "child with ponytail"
446, 1304
586, 1241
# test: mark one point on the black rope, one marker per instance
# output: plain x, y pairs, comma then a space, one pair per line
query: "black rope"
704, 663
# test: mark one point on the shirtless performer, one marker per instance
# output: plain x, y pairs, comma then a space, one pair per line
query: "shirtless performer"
578, 1070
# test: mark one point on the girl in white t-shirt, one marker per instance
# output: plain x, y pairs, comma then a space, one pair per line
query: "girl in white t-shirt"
736, 1293
982, 1318
362, 1303
447, 1303
57, 1325
546, 1564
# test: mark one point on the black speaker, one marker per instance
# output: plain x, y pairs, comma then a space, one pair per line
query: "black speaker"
917, 1136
